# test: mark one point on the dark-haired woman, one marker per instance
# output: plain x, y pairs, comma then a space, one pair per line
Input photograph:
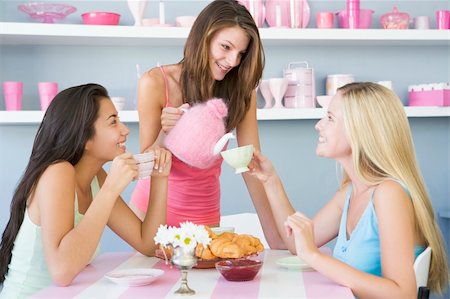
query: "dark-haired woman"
223, 58
65, 199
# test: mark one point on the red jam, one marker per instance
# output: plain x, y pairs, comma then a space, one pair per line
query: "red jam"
239, 270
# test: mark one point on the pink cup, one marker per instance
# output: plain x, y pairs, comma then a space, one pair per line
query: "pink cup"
13, 91
47, 91
443, 19
325, 20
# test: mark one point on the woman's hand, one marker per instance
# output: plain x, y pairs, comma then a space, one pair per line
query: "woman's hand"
170, 116
163, 162
122, 171
303, 230
261, 167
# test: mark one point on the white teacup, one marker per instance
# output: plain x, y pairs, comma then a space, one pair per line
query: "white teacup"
145, 161
239, 157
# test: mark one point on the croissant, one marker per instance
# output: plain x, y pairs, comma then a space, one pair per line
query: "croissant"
229, 245
204, 252
224, 248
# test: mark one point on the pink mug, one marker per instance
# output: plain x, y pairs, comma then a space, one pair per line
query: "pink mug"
47, 91
325, 20
443, 19
13, 91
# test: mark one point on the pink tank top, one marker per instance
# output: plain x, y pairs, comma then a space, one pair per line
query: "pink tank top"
193, 194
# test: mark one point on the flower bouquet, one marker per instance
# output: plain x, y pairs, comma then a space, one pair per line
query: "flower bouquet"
182, 240
187, 236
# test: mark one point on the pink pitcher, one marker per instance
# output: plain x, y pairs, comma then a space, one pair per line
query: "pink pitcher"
199, 135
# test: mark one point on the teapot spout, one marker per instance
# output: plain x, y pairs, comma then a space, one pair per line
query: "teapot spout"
221, 143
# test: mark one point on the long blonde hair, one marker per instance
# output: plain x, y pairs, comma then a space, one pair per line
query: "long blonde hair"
382, 148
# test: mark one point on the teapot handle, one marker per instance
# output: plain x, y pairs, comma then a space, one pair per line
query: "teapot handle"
221, 143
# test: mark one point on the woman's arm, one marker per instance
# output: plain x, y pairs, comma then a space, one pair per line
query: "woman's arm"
396, 226
68, 248
151, 100
247, 133
139, 234
327, 219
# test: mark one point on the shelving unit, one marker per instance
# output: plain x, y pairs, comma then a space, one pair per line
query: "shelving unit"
77, 34
35, 117
74, 34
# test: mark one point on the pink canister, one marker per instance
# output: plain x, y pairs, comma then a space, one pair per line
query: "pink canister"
301, 88
336, 81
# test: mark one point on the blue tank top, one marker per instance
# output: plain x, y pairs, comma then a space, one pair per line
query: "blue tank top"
362, 249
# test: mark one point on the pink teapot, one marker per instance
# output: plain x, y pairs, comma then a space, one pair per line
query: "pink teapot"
199, 135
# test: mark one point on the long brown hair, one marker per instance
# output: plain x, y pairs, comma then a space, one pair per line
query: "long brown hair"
197, 83
67, 125
382, 149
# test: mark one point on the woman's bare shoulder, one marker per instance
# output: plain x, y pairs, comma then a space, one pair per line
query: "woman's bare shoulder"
60, 168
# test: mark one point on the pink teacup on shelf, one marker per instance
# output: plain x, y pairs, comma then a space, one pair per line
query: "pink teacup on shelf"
47, 91
12, 92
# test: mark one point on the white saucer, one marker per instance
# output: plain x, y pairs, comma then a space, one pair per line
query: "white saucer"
134, 277
294, 263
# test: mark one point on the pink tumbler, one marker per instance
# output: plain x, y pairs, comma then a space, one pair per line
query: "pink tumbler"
13, 91
47, 91
443, 19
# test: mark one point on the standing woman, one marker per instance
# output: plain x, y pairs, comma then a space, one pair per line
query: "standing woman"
223, 58
65, 199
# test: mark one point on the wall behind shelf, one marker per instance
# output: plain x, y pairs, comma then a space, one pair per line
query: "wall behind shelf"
114, 67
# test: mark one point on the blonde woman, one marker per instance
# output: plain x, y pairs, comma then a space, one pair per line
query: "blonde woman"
381, 215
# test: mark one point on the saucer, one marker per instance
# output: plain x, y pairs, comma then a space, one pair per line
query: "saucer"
134, 277
294, 263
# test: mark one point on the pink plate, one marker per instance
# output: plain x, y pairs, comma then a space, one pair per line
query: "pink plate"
271, 7
48, 12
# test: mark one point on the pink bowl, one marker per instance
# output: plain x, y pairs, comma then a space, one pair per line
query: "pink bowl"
100, 18
365, 18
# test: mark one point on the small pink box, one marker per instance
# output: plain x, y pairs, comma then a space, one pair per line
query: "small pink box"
429, 95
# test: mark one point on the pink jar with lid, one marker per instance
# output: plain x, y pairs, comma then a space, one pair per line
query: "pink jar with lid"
395, 20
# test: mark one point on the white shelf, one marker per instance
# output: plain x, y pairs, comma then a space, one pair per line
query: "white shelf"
76, 34
35, 117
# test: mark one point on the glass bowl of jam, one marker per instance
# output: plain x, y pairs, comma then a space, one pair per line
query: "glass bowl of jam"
239, 269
